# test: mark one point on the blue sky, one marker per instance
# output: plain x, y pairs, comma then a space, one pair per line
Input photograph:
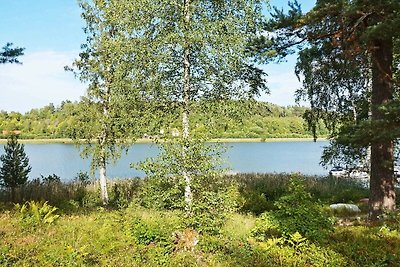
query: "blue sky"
51, 31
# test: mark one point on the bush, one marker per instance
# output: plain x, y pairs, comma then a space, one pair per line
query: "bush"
296, 250
33, 214
152, 227
153, 234
146, 233
211, 197
259, 191
266, 227
123, 192
295, 212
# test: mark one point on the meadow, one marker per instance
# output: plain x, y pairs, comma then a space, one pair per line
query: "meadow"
278, 220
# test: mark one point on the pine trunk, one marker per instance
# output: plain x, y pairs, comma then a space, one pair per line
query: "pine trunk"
186, 110
382, 181
13, 194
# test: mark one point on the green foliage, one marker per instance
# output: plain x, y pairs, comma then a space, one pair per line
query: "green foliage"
71, 195
124, 192
295, 212
154, 235
15, 165
165, 184
260, 191
33, 214
82, 178
296, 250
111, 238
8, 54
52, 178
238, 120
151, 232
347, 53
266, 227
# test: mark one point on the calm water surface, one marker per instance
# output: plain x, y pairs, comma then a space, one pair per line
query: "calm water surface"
64, 159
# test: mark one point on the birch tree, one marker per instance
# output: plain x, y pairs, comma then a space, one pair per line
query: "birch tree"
109, 114
193, 50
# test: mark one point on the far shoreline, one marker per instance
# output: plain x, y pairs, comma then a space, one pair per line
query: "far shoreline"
148, 141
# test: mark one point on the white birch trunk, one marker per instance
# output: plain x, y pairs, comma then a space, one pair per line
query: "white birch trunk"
103, 179
102, 159
185, 115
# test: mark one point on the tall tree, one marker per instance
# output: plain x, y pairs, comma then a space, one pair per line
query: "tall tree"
192, 50
8, 54
109, 113
15, 165
346, 57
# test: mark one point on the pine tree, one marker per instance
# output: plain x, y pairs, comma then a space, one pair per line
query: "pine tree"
15, 168
349, 60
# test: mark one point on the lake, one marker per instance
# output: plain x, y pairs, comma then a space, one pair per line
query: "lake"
64, 160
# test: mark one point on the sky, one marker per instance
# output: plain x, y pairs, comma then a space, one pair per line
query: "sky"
51, 33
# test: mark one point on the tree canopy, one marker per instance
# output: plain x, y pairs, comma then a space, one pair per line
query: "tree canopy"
348, 60
183, 52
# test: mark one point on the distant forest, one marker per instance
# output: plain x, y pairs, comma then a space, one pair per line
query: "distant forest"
262, 120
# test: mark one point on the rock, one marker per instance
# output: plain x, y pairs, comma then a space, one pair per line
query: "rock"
347, 207
364, 201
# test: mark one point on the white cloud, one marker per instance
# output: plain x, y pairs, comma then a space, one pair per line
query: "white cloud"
282, 88
282, 82
39, 81
42, 80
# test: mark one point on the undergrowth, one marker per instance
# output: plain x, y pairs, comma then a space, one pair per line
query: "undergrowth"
290, 228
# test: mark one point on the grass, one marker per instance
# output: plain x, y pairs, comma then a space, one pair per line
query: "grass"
104, 238
126, 234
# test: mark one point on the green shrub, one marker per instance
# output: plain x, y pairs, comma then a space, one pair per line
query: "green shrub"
296, 250
147, 227
266, 227
259, 191
210, 208
183, 259
123, 192
33, 213
90, 198
146, 233
153, 234
337, 190
295, 212
255, 202
160, 192
367, 246
211, 196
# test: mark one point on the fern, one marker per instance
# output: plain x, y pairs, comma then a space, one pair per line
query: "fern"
37, 213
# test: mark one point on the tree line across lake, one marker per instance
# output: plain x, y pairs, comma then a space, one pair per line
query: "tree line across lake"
262, 120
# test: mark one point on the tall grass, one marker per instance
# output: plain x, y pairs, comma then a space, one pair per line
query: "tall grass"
257, 191
260, 191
